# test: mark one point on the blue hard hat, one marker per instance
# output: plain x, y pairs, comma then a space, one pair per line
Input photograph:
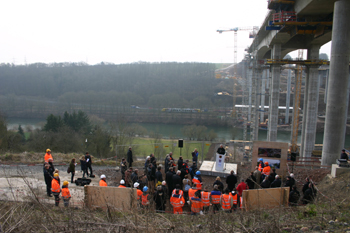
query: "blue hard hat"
145, 189
198, 172
261, 160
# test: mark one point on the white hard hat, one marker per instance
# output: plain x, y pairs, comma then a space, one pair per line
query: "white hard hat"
103, 176
136, 185
291, 175
164, 183
122, 182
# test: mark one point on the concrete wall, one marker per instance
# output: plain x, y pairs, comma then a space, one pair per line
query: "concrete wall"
120, 198
274, 145
265, 198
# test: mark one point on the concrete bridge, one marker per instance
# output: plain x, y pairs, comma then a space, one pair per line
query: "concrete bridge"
308, 24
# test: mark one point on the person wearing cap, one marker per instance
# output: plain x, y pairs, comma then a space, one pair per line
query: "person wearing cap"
122, 184
103, 181
56, 189
266, 170
261, 165
177, 201
231, 180
344, 155
215, 198
48, 155
129, 158
138, 191
205, 197
65, 193
197, 179
48, 179
235, 200
145, 198
241, 187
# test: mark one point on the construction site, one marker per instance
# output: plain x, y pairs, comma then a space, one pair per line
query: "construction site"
270, 92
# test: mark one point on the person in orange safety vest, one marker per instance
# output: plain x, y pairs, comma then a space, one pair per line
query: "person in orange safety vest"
177, 201
48, 155
56, 189
122, 184
138, 191
177, 188
191, 191
197, 179
226, 201
215, 198
196, 204
205, 197
235, 200
65, 193
266, 171
145, 198
261, 164
103, 181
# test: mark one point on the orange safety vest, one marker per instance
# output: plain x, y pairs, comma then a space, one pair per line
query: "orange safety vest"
144, 199
266, 170
260, 168
177, 203
65, 193
180, 192
191, 192
103, 183
121, 186
47, 157
196, 205
226, 201
205, 196
215, 199
234, 198
241, 199
198, 183
55, 186
139, 193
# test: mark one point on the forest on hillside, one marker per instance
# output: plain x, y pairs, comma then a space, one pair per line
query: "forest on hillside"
41, 88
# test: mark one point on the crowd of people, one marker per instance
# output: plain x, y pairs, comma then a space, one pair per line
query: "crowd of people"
180, 185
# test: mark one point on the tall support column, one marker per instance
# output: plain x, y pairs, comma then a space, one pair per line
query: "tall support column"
263, 86
250, 75
310, 112
289, 83
257, 102
274, 94
333, 140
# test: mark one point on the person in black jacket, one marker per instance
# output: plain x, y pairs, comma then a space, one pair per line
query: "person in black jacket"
135, 176
277, 182
129, 158
179, 163
169, 180
152, 158
266, 183
48, 179
306, 185
289, 182
231, 181
294, 196
160, 199
221, 150
309, 195
83, 165
88, 163
159, 175
123, 168
177, 180
219, 184
272, 175
251, 181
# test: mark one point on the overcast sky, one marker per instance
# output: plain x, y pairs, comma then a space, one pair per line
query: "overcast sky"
126, 31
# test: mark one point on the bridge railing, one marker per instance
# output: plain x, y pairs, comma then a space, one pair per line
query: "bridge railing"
285, 16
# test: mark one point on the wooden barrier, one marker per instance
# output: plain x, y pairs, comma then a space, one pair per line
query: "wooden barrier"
265, 198
120, 198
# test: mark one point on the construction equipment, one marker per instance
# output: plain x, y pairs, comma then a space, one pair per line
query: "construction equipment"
297, 94
253, 30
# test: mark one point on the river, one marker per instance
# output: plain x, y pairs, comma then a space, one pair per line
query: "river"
174, 130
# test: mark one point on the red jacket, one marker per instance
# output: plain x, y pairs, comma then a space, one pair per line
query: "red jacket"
242, 186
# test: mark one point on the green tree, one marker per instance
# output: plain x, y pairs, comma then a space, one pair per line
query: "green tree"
53, 123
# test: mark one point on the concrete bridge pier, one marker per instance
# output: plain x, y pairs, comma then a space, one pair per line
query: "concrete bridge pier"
274, 94
289, 83
263, 86
337, 98
250, 83
310, 110
258, 78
